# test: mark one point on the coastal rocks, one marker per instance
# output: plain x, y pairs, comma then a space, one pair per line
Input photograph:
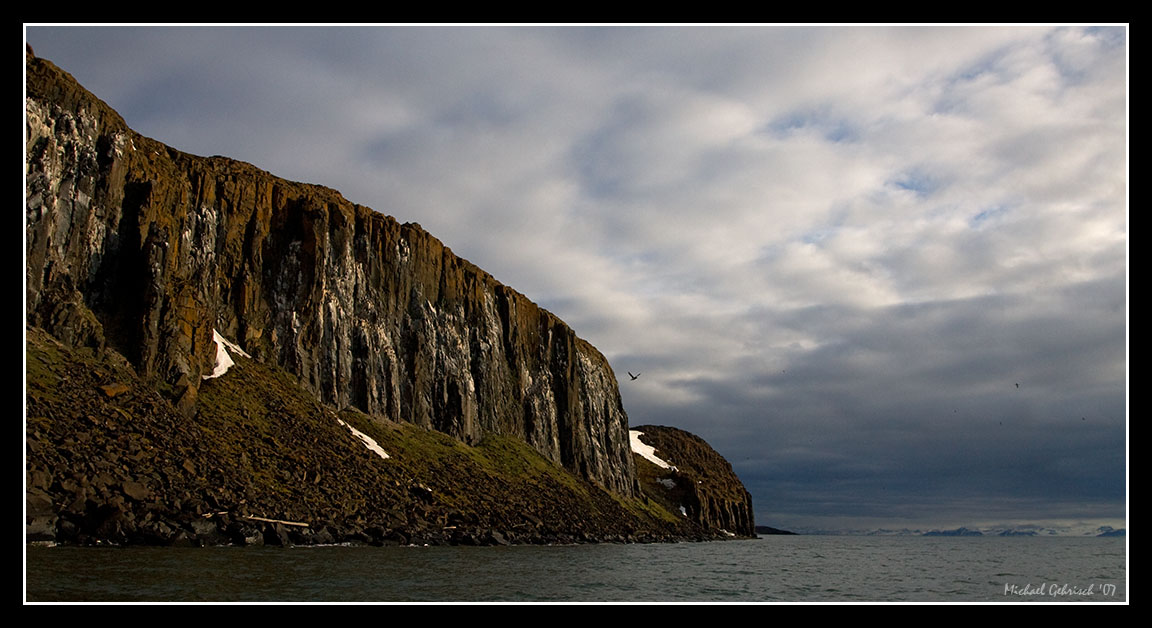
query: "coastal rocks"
262, 462
140, 249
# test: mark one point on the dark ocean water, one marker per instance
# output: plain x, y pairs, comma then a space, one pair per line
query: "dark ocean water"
770, 569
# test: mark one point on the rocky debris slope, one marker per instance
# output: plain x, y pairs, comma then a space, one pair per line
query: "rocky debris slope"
261, 462
139, 248
693, 480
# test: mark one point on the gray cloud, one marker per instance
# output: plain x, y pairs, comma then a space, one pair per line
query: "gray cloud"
833, 252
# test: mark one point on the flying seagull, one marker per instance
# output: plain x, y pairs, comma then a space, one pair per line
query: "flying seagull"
633, 376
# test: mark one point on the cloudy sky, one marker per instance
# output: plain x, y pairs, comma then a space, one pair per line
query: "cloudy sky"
882, 270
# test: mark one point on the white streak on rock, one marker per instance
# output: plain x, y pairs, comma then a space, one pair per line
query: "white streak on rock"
223, 360
368, 441
646, 451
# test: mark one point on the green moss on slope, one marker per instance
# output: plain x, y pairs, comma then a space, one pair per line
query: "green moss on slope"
111, 460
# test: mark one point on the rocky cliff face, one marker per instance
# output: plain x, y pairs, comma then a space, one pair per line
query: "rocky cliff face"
111, 461
697, 482
137, 247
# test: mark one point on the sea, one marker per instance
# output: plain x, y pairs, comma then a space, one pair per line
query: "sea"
780, 569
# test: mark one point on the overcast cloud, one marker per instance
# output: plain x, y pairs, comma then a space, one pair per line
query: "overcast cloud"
832, 252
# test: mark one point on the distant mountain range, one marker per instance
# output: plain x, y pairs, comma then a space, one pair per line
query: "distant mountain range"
1022, 530
766, 530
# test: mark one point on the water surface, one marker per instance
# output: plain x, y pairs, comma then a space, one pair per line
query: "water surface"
770, 569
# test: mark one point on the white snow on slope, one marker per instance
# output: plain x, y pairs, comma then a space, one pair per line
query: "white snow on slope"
231, 345
368, 441
647, 451
223, 360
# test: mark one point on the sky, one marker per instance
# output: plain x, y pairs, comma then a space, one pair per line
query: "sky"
883, 270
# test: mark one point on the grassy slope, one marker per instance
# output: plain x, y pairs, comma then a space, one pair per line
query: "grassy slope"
121, 464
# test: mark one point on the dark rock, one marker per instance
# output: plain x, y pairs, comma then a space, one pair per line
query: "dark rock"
461, 536
66, 531
40, 528
205, 532
276, 534
113, 524
300, 535
356, 537
39, 502
376, 534
245, 533
40, 516
156, 533
702, 483
422, 492
323, 536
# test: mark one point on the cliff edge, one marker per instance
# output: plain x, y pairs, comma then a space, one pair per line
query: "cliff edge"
140, 248
219, 356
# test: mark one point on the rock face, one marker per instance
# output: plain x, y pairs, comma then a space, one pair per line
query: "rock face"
262, 462
700, 483
140, 248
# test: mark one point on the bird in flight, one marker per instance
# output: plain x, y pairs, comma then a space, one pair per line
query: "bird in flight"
633, 376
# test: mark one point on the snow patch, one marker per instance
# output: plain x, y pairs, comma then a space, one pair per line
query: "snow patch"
231, 345
368, 441
223, 360
684, 511
646, 451
668, 483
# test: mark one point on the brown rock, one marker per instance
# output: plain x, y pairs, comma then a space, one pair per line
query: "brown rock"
137, 490
155, 248
114, 390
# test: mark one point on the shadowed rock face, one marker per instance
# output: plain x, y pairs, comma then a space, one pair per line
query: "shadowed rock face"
140, 248
702, 481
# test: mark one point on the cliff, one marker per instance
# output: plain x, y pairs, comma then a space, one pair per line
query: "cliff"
138, 250
112, 461
692, 479
219, 356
